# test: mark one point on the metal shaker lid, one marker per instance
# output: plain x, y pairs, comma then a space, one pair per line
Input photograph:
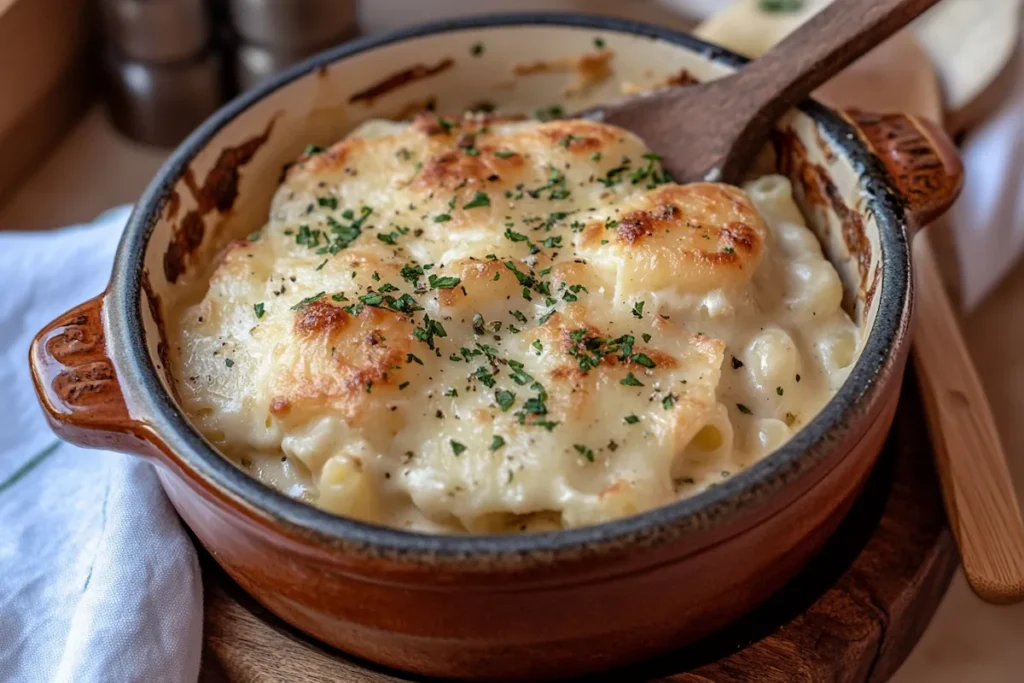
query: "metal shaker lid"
294, 24
156, 30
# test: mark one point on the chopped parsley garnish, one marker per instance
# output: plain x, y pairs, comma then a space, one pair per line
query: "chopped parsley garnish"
312, 149
599, 43
411, 273
646, 337
537, 345
372, 299
552, 242
497, 441
650, 172
778, 390
445, 124
524, 279
631, 419
518, 375
781, 5
567, 140
514, 236
518, 316
402, 386
504, 153
340, 296
485, 377
329, 202
412, 358
584, 451
743, 409
544, 318
445, 282
390, 237
308, 300
728, 250
479, 199
548, 113
668, 401
477, 49
259, 309
430, 330
642, 359
631, 381
506, 399
442, 218
638, 309
228, 362
457, 448
451, 391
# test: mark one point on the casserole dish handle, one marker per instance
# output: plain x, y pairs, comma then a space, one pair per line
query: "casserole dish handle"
78, 386
921, 160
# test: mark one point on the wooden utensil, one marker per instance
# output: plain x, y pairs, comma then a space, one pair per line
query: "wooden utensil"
711, 131
977, 488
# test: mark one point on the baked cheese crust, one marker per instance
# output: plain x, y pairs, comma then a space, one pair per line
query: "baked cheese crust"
489, 325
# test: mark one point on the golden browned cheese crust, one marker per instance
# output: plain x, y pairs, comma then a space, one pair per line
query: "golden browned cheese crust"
485, 324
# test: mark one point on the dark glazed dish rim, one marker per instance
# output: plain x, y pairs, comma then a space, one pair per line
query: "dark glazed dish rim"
809, 445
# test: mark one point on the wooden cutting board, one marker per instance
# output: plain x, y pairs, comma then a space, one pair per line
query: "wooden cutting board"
853, 615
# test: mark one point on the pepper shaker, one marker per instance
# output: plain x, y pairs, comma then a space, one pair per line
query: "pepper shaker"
274, 34
163, 67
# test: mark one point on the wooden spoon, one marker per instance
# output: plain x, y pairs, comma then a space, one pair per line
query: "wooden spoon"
976, 485
977, 488
713, 130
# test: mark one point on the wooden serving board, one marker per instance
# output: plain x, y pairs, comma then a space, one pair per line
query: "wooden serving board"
852, 615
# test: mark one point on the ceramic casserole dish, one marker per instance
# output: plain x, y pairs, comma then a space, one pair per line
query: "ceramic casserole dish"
482, 606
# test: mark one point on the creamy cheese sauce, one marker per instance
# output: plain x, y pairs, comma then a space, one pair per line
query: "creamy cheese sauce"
487, 325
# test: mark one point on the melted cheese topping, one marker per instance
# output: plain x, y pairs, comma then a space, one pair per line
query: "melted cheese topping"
493, 325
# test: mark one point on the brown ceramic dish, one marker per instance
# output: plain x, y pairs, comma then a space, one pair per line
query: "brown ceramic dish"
532, 606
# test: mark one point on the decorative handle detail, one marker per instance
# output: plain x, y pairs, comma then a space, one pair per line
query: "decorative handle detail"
77, 384
920, 158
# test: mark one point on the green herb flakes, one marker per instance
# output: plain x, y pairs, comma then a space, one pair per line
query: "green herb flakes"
584, 451
445, 282
479, 199
506, 399
308, 300
631, 381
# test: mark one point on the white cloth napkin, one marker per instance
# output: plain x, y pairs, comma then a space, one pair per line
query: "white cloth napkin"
98, 580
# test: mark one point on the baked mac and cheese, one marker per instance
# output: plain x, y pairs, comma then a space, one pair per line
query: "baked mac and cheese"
489, 325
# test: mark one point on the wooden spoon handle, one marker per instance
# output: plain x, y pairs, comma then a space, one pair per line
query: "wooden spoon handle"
827, 43
976, 483
736, 112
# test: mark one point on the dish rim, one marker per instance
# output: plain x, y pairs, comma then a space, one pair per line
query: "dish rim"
812, 443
